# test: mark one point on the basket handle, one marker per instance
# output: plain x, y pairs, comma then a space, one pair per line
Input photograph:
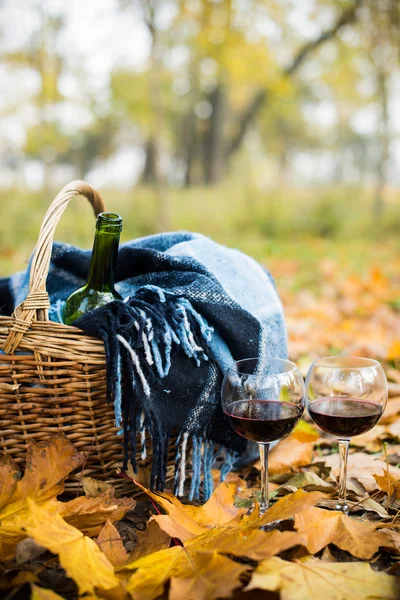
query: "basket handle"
36, 304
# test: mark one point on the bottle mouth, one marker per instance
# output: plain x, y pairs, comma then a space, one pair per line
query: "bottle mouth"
109, 221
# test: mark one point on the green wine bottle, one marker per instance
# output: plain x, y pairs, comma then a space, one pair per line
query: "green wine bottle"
99, 289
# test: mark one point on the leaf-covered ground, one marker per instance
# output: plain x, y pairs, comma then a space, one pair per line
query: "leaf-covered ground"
98, 546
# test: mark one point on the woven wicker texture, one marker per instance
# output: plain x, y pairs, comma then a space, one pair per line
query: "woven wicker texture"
52, 376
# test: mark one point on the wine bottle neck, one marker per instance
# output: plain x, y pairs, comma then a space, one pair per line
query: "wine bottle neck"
104, 258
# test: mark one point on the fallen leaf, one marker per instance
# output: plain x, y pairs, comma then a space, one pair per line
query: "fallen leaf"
110, 543
79, 555
23, 577
316, 528
47, 466
388, 483
314, 579
288, 455
391, 411
370, 440
93, 487
193, 575
27, 550
310, 481
394, 536
289, 506
89, 514
150, 540
205, 577
243, 541
362, 467
188, 521
39, 593
394, 429
305, 432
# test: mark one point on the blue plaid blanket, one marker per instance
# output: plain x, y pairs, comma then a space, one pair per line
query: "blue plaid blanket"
191, 307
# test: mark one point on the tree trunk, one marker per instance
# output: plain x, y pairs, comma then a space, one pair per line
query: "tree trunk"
149, 171
189, 146
384, 141
258, 101
214, 143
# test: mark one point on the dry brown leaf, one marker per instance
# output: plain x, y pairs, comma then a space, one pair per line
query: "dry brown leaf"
388, 483
361, 467
371, 440
314, 579
309, 481
288, 455
193, 575
394, 429
79, 555
316, 528
93, 487
89, 514
151, 540
392, 410
110, 543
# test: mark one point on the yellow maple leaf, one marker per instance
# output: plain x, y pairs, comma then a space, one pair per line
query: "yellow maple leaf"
187, 521
314, 579
194, 575
39, 593
47, 466
79, 555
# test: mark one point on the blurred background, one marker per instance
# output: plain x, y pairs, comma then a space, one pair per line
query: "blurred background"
272, 126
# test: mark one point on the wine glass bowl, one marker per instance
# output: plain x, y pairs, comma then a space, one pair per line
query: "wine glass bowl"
263, 400
346, 397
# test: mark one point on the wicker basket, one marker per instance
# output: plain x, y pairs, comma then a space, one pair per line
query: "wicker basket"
52, 376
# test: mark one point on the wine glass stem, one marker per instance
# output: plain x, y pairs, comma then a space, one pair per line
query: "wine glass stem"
264, 448
343, 453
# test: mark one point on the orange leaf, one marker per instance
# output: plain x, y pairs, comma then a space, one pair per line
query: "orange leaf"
388, 483
188, 521
289, 506
47, 466
149, 541
316, 528
394, 350
110, 543
288, 455
193, 575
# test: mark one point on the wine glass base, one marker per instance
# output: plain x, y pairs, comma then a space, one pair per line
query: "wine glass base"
343, 507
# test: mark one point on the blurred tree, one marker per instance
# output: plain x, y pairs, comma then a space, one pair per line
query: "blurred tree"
228, 75
44, 140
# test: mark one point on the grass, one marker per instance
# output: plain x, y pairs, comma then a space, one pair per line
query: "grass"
291, 231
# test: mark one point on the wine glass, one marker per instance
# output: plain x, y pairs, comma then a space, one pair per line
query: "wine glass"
264, 400
346, 397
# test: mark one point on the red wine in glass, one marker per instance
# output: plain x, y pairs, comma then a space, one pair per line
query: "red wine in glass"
263, 399
346, 397
345, 417
263, 421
